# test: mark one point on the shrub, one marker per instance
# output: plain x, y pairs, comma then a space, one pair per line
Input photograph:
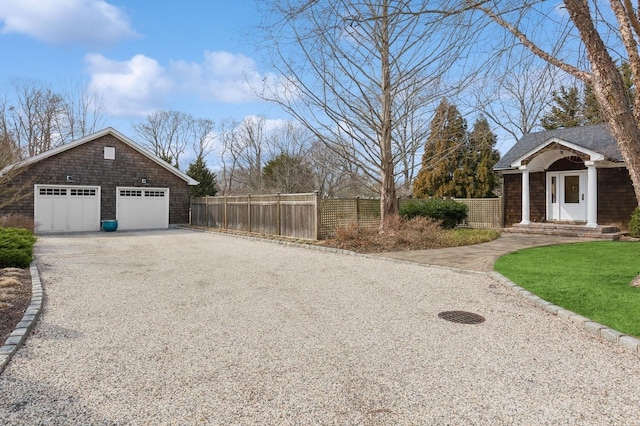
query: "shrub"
348, 232
449, 212
634, 223
16, 247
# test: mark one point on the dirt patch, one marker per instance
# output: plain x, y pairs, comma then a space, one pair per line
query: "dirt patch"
15, 297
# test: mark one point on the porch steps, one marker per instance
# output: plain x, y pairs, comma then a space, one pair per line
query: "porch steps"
601, 232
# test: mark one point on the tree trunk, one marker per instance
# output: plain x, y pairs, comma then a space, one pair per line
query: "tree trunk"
609, 89
388, 200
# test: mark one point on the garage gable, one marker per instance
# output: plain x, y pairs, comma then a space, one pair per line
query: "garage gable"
109, 153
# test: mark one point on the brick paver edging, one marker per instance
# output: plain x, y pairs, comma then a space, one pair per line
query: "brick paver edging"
19, 335
602, 331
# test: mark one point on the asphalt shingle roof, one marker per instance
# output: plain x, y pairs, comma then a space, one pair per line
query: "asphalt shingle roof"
596, 138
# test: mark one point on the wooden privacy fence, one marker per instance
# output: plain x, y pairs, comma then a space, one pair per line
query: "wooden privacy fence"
306, 216
290, 215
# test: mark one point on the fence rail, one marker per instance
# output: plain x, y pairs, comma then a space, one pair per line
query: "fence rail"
306, 216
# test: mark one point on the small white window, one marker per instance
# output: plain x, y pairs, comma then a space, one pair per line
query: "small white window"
109, 153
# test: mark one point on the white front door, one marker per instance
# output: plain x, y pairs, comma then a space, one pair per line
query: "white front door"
566, 196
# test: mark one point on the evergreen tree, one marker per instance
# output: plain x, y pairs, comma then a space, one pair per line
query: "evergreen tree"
199, 171
591, 109
567, 111
443, 172
571, 109
457, 163
288, 174
482, 142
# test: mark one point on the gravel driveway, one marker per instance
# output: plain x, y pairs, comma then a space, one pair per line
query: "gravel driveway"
180, 327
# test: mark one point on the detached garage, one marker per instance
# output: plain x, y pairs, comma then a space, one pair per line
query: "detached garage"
104, 176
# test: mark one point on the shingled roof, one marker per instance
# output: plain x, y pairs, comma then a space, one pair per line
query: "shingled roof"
596, 138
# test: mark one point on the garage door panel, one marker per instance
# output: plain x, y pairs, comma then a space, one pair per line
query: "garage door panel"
142, 208
60, 208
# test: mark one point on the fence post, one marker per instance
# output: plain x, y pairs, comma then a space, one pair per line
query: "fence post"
206, 210
249, 211
318, 214
225, 220
358, 211
278, 212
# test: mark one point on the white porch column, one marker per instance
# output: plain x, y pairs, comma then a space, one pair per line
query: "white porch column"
525, 196
592, 194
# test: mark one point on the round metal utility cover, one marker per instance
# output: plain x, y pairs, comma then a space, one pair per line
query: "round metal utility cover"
461, 317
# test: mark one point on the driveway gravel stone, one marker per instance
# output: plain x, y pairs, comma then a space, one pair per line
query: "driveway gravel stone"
180, 327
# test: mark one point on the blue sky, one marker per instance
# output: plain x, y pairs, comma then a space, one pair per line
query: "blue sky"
193, 56
197, 56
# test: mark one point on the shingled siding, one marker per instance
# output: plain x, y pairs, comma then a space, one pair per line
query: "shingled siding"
616, 198
87, 165
513, 198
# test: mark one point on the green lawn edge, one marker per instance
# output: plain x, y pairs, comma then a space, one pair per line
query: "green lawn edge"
589, 278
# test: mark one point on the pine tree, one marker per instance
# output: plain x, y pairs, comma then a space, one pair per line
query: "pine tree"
571, 109
591, 109
482, 142
457, 163
443, 173
199, 171
288, 174
567, 111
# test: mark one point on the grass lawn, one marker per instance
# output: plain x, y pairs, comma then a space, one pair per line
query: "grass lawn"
591, 279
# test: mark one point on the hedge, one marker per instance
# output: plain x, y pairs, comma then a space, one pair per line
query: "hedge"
451, 213
16, 247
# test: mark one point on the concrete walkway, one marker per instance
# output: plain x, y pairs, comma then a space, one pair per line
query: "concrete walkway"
479, 257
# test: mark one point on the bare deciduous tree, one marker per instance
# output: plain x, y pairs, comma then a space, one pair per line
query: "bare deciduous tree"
357, 72
32, 116
36, 119
251, 140
83, 112
204, 137
167, 134
515, 93
229, 154
244, 153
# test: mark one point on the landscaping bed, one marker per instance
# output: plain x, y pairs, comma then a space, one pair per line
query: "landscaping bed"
15, 297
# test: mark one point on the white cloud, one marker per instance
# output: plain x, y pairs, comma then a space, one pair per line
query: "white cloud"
222, 76
139, 85
93, 22
131, 88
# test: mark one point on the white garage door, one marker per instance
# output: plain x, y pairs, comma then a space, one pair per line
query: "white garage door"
59, 208
142, 208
